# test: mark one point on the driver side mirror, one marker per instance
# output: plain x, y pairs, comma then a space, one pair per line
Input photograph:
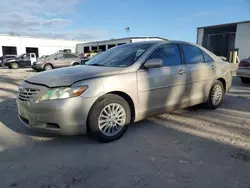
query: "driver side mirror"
153, 63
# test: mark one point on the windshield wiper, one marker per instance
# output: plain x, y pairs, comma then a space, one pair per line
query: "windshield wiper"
94, 64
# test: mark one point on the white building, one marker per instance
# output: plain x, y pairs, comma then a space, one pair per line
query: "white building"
226, 38
41, 46
107, 44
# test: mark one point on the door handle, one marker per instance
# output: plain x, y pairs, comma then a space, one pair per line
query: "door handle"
181, 71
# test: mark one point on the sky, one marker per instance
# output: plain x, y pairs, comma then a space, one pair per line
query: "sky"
105, 19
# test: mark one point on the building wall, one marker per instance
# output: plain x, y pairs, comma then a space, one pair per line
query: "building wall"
200, 34
242, 41
80, 47
45, 46
145, 39
116, 42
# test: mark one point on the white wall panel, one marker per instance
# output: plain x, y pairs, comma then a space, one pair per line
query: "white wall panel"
200, 34
242, 40
45, 46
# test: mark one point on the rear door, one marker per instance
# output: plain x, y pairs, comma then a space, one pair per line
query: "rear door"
201, 71
164, 87
69, 59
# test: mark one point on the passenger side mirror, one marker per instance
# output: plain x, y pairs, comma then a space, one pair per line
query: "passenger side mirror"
153, 63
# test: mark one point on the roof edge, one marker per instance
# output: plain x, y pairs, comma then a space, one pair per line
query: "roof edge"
248, 21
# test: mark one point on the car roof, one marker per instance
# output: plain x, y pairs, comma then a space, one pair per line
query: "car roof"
65, 53
165, 41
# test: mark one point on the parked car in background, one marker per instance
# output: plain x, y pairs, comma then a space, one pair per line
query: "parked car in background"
88, 57
4, 58
243, 70
123, 85
43, 57
23, 60
84, 60
57, 60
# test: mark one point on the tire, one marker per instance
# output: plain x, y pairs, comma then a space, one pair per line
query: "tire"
245, 80
104, 128
14, 65
75, 64
47, 67
212, 103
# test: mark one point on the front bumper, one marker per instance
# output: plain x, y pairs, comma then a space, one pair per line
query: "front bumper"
7, 64
243, 73
62, 116
38, 67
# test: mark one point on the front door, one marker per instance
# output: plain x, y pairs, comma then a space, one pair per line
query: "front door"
163, 88
32, 58
201, 70
25, 60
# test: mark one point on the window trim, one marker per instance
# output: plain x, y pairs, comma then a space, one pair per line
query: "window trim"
184, 54
156, 48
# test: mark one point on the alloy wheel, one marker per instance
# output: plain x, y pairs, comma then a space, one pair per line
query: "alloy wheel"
112, 119
217, 94
48, 67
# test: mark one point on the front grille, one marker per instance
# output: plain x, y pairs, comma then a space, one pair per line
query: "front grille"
27, 94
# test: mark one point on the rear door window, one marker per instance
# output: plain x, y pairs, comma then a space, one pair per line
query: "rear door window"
59, 56
69, 56
192, 54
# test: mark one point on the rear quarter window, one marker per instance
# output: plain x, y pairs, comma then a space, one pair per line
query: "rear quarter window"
192, 54
207, 58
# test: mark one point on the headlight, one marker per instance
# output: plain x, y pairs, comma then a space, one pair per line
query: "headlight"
38, 62
62, 93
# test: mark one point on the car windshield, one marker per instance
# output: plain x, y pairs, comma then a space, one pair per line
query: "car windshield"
121, 56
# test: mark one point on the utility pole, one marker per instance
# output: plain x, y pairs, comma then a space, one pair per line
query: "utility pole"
127, 29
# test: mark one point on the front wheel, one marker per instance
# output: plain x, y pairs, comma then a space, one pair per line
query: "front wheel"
14, 65
216, 95
47, 67
109, 117
245, 80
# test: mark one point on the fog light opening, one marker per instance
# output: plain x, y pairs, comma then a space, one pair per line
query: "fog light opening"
52, 126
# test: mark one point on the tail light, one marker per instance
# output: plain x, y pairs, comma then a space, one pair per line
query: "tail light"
244, 64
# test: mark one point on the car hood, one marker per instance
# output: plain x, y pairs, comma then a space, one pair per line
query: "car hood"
67, 76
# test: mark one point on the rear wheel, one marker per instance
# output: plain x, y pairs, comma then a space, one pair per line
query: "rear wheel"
14, 65
245, 80
47, 67
216, 95
109, 117
75, 64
